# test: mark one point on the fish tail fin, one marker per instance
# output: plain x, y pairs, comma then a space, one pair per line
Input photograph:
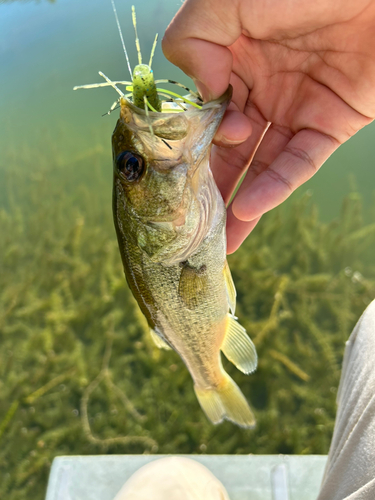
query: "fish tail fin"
226, 402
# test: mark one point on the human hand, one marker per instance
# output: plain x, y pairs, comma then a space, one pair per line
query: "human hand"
303, 75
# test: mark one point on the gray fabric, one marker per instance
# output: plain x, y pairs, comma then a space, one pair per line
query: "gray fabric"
350, 470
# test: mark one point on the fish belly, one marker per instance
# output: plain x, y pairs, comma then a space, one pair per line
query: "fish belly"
194, 320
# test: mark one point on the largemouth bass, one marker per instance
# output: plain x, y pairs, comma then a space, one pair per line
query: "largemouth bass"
170, 224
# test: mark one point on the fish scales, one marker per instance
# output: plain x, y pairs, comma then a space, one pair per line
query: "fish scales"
170, 223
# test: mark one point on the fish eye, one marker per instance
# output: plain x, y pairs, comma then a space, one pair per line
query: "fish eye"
130, 165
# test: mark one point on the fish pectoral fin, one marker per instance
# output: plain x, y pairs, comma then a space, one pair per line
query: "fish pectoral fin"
159, 342
238, 347
230, 288
193, 286
225, 402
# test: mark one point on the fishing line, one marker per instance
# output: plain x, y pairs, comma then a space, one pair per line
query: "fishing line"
122, 39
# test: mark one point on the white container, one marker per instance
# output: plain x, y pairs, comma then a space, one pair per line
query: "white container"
245, 477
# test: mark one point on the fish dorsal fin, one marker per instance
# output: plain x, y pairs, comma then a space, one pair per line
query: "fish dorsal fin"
159, 342
230, 288
193, 286
238, 347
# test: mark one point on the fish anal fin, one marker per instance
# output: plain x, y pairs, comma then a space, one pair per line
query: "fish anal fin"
159, 342
238, 347
226, 402
230, 288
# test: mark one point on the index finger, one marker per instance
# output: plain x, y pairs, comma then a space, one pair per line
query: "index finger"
299, 160
197, 41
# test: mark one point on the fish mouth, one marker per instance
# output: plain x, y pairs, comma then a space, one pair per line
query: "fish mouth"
216, 103
176, 126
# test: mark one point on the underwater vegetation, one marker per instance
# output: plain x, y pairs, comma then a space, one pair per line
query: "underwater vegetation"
79, 373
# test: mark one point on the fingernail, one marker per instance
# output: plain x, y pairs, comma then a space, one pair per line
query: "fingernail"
203, 91
225, 142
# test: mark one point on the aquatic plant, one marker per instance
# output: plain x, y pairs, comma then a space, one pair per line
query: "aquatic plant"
79, 373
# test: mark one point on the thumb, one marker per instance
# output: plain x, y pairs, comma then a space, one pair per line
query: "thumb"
197, 41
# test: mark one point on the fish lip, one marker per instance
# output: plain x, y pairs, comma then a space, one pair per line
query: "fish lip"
225, 98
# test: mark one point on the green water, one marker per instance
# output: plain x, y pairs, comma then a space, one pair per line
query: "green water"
66, 313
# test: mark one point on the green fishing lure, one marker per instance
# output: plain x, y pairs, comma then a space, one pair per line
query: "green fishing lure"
143, 90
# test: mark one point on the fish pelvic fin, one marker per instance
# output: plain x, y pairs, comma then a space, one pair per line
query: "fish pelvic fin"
226, 402
159, 342
238, 347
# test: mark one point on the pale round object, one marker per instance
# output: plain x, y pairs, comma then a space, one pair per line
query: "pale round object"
173, 478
